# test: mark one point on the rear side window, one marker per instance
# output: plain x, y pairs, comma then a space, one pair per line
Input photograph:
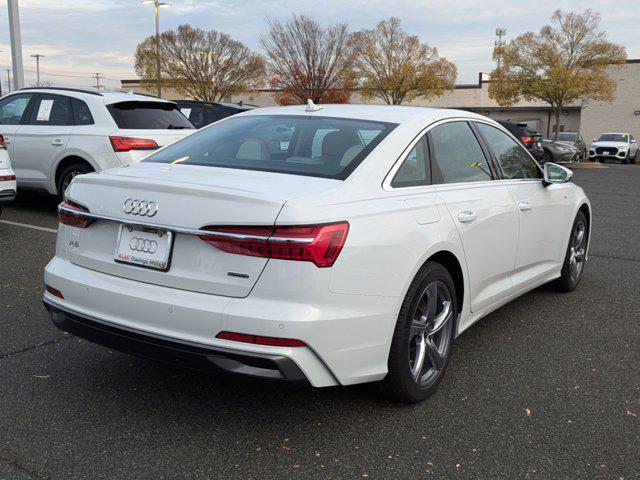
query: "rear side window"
514, 161
81, 113
458, 155
301, 145
12, 108
414, 170
148, 116
51, 110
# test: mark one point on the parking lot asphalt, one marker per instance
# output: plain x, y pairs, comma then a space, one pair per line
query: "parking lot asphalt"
547, 387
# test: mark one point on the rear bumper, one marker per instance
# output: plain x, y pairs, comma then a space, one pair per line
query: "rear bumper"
182, 353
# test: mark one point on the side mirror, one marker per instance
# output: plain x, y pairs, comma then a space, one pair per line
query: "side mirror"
633, 141
554, 173
595, 139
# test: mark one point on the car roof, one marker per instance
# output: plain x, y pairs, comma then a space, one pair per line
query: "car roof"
614, 133
108, 97
383, 113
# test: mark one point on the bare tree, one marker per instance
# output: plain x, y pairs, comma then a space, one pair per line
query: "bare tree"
307, 61
566, 61
204, 65
396, 67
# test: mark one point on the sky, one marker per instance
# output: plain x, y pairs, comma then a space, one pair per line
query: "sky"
81, 37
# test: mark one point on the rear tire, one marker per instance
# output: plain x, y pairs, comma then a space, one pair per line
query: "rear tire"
575, 258
546, 157
423, 337
635, 157
67, 175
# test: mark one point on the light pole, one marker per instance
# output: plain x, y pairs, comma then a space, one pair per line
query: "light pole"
37, 56
9, 80
157, 5
16, 44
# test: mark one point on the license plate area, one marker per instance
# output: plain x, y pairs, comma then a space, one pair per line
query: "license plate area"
144, 247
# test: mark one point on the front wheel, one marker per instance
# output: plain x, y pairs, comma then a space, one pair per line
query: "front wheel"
423, 337
576, 256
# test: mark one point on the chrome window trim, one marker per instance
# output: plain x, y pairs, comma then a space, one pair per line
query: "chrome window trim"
176, 229
386, 184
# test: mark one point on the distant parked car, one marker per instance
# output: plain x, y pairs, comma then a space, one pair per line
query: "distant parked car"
204, 113
614, 146
558, 152
7, 177
529, 138
572, 139
55, 133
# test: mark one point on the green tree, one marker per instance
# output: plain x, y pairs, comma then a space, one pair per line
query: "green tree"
564, 62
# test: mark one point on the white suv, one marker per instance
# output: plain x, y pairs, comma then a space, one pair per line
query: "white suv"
54, 134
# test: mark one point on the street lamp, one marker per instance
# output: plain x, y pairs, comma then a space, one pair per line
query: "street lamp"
37, 57
157, 5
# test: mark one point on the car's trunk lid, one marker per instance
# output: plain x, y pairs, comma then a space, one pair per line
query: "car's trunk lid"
187, 197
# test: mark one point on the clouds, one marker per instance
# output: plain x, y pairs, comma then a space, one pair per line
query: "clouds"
80, 37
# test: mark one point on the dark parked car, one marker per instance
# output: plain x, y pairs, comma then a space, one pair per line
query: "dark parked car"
558, 152
529, 138
204, 113
573, 139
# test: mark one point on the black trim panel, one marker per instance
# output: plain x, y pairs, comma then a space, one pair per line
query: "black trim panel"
177, 352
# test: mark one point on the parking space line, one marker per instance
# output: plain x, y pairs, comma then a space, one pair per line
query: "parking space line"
26, 225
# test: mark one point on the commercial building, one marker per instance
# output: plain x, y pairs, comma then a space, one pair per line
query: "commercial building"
590, 118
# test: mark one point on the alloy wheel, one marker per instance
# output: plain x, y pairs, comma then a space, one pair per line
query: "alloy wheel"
577, 250
431, 333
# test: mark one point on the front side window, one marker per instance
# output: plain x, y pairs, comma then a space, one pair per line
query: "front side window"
514, 161
51, 110
414, 170
12, 108
458, 155
148, 116
301, 145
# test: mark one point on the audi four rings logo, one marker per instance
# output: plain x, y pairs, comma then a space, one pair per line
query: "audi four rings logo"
140, 207
143, 245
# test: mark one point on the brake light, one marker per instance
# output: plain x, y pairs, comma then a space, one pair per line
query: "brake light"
319, 244
72, 214
527, 139
3, 143
7, 178
124, 144
259, 340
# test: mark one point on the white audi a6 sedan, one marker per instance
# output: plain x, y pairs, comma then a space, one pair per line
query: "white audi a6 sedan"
329, 245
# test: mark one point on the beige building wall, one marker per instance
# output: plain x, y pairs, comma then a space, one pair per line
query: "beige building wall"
621, 115
589, 118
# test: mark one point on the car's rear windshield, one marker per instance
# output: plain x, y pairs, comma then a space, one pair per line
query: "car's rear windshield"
614, 137
148, 116
567, 137
301, 145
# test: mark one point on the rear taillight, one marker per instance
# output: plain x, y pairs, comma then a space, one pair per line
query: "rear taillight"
272, 341
3, 143
319, 244
72, 214
124, 144
527, 139
6, 178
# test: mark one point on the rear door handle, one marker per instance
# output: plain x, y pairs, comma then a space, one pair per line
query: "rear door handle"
466, 216
57, 142
524, 206
7, 140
